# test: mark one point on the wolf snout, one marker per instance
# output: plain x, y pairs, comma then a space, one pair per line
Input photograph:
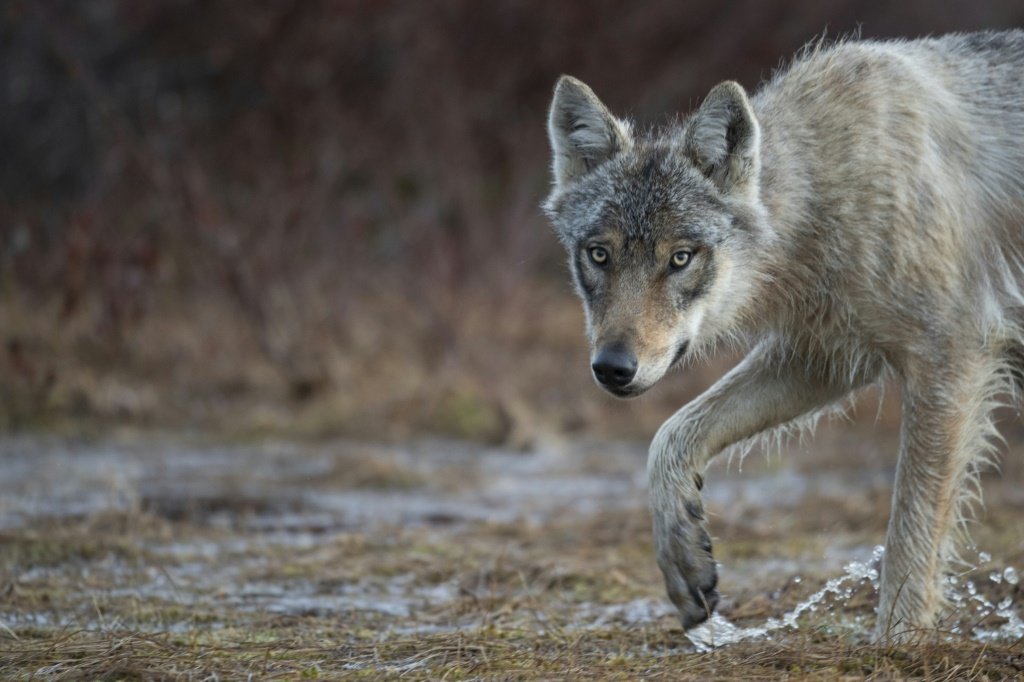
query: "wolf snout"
614, 366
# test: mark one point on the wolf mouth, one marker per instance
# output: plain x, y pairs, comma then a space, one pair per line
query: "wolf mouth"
680, 352
625, 393
631, 391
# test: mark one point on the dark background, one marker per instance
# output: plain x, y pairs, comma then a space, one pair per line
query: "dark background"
321, 218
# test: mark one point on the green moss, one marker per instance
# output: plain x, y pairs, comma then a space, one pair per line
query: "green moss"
465, 413
35, 550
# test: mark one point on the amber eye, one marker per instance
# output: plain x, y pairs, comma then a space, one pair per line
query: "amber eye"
599, 255
680, 259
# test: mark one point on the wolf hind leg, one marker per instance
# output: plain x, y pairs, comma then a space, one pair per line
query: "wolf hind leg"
947, 436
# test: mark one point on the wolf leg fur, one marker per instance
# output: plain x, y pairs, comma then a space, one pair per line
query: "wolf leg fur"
946, 433
768, 388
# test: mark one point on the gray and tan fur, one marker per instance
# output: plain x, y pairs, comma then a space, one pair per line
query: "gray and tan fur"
859, 218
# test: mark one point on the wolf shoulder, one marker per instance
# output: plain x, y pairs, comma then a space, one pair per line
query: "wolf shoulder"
962, 73
945, 111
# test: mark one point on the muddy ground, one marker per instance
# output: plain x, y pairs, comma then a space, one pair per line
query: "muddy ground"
167, 557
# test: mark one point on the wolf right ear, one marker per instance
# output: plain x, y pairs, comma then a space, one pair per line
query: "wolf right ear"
582, 131
723, 139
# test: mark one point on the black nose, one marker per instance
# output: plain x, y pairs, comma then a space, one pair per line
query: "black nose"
614, 366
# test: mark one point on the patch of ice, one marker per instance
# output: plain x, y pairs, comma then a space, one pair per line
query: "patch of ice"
634, 612
1010, 575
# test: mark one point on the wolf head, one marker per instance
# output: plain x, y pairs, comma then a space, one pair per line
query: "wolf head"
663, 231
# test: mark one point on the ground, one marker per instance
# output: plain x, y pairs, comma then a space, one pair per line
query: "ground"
156, 556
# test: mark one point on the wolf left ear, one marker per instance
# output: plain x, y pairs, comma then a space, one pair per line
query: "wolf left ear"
723, 139
582, 131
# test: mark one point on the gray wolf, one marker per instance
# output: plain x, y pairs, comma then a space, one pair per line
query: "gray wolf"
858, 219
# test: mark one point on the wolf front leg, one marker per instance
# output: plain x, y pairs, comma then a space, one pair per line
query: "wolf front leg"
768, 388
946, 432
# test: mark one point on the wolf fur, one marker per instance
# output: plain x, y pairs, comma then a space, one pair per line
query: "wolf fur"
860, 218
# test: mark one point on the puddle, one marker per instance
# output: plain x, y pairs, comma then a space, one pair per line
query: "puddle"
287, 487
631, 613
282, 486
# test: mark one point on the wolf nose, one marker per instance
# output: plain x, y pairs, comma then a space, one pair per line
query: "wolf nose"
614, 366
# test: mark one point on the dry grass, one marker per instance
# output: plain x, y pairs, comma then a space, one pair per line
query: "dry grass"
201, 366
514, 597
236, 585
293, 652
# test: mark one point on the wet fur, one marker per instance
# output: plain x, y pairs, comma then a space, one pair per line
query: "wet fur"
860, 217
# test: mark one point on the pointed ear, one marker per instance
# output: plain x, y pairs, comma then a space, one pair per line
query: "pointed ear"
582, 131
723, 139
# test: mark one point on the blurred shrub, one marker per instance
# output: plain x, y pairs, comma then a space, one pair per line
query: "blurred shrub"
331, 202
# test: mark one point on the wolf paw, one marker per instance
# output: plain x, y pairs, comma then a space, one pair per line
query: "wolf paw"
683, 548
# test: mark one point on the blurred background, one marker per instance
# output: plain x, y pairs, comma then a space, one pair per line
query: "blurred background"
317, 219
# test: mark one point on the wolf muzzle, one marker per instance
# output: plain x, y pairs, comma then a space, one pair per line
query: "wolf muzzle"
614, 366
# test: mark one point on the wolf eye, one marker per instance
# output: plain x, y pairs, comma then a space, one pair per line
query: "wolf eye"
680, 259
599, 255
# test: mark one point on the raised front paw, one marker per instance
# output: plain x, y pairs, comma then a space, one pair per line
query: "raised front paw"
683, 548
